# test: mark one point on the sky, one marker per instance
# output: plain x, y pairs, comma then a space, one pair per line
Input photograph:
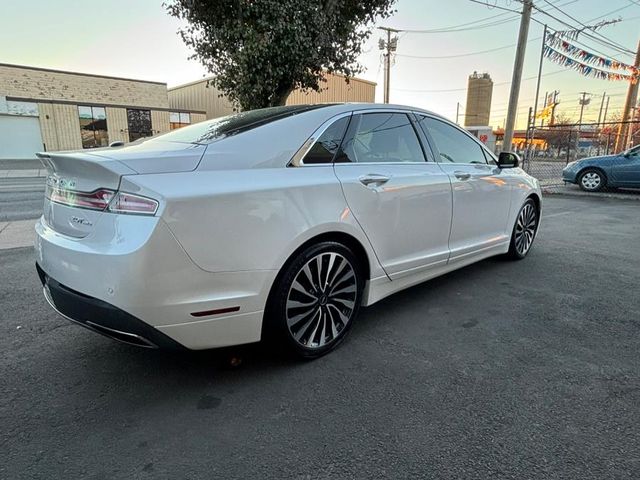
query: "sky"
138, 39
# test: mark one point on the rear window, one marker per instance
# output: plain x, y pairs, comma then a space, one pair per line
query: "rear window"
212, 130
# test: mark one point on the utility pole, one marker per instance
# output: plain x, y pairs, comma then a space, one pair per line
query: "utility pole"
389, 46
457, 113
544, 107
599, 127
632, 95
553, 108
535, 105
583, 101
512, 111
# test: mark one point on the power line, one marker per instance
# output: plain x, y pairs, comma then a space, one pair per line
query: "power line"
608, 40
614, 46
463, 89
476, 24
468, 54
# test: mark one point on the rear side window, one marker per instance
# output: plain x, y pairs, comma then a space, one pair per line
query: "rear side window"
328, 144
453, 145
382, 138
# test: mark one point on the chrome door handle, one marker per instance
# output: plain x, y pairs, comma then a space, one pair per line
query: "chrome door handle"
462, 175
373, 179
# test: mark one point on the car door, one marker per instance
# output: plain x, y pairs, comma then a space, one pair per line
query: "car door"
626, 168
481, 191
401, 200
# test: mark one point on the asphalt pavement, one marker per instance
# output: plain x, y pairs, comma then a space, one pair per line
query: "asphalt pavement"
516, 370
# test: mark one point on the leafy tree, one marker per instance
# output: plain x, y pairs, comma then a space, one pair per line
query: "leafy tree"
259, 51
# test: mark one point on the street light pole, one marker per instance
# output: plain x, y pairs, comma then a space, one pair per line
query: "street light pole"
512, 111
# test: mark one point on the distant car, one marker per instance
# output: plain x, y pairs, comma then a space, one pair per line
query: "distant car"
279, 222
595, 173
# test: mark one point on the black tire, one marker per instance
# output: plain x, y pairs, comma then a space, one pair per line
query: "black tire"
592, 180
317, 327
524, 230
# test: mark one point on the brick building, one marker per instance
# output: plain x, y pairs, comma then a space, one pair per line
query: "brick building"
43, 109
51, 110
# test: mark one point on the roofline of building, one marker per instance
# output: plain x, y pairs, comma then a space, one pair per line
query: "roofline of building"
40, 69
101, 104
206, 79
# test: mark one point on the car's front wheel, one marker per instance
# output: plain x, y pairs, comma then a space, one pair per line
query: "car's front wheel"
524, 231
592, 180
315, 299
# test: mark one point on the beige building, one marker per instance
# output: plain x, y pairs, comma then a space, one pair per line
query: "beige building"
52, 110
201, 96
49, 110
479, 93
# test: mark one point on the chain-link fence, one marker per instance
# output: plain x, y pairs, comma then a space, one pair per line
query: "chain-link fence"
547, 150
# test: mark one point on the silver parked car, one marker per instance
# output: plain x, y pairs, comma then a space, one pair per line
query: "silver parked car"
282, 222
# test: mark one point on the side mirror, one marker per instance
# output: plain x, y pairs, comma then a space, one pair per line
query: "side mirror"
118, 143
508, 160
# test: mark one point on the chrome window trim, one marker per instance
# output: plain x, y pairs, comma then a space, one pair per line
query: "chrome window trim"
298, 157
391, 110
464, 132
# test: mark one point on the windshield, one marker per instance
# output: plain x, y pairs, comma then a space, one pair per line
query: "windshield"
211, 130
633, 151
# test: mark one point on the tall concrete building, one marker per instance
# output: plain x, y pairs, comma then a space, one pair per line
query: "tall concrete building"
479, 92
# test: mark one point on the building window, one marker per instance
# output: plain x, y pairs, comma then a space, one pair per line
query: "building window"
93, 127
139, 123
179, 120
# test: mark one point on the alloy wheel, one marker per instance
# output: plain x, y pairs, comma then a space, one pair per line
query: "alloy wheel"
321, 300
591, 180
525, 228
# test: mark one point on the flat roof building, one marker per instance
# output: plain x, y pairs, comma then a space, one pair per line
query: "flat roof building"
51, 110
200, 95
48, 110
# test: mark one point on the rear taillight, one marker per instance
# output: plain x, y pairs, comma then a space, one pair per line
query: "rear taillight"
130, 203
96, 200
103, 199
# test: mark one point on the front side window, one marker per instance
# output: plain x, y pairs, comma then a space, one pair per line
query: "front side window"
93, 126
327, 144
453, 145
179, 120
382, 137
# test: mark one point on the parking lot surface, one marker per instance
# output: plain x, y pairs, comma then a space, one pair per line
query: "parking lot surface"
517, 370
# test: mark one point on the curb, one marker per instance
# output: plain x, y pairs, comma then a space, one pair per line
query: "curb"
631, 196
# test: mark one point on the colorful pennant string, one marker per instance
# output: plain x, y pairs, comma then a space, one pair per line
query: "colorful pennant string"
559, 43
559, 50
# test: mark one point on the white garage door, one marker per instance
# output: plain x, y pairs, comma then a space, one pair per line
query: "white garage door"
20, 137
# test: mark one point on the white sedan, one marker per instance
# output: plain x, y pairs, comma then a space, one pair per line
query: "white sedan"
279, 223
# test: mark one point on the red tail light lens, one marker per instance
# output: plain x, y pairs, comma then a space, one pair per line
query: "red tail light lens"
104, 199
96, 200
130, 203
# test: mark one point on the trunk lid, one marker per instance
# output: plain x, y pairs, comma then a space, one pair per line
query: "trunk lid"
153, 155
100, 171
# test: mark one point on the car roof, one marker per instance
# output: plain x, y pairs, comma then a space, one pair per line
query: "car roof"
337, 108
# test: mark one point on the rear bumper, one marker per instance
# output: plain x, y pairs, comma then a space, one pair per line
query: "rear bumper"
130, 276
102, 317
